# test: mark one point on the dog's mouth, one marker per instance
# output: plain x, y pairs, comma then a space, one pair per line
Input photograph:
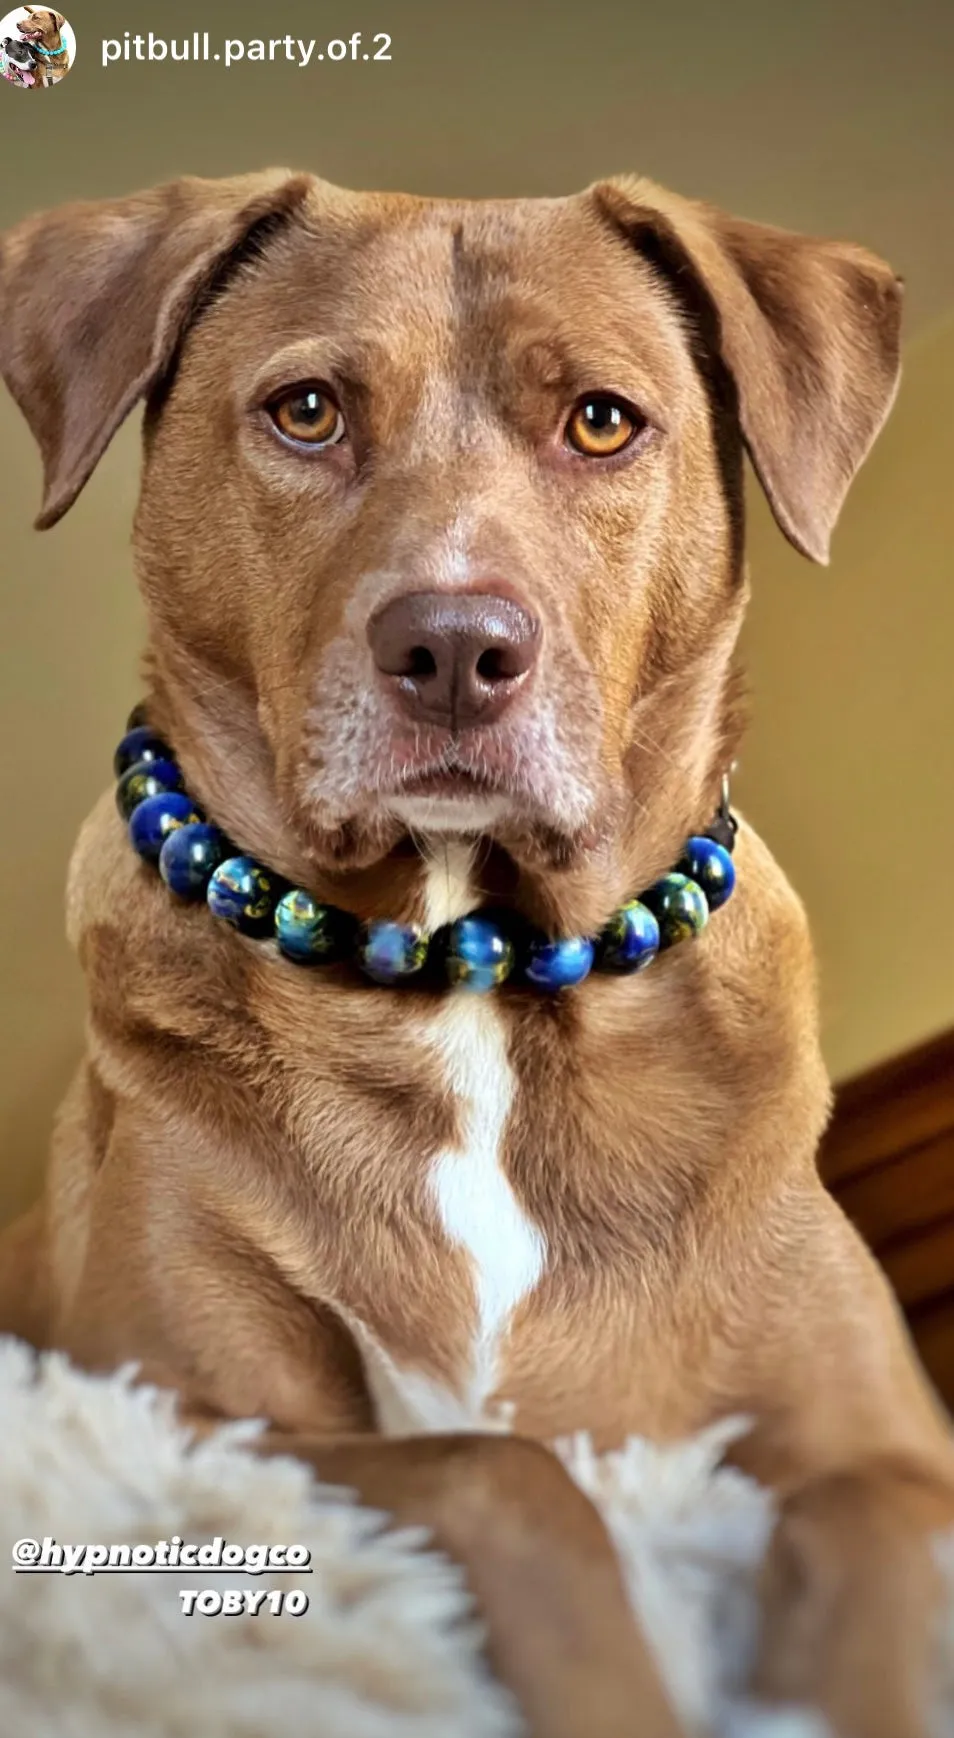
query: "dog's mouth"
473, 766
30, 34
449, 796
448, 783
466, 798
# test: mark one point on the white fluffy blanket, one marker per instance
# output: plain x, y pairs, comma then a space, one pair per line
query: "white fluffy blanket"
389, 1647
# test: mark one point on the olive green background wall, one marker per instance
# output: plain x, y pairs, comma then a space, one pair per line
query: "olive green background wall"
829, 116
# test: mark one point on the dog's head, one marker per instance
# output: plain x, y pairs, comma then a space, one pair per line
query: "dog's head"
441, 519
42, 25
17, 51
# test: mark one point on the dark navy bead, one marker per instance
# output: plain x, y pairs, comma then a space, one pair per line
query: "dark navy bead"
147, 778
630, 941
710, 865
139, 744
478, 955
310, 933
244, 894
679, 907
558, 965
189, 856
390, 953
156, 817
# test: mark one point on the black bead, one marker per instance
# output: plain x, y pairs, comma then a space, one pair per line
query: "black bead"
723, 830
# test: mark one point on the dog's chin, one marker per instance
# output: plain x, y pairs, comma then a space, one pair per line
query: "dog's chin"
405, 824
476, 801
437, 808
433, 811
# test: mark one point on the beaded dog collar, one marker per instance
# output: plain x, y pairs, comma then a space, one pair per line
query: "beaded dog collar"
479, 951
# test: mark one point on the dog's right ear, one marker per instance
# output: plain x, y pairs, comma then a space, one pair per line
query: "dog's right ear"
94, 298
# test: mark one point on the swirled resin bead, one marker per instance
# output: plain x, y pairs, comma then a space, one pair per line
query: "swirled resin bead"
630, 940
679, 907
478, 956
310, 933
145, 778
243, 894
156, 817
391, 953
189, 856
711, 867
558, 965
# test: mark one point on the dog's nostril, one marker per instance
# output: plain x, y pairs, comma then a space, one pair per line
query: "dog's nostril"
420, 662
494, 665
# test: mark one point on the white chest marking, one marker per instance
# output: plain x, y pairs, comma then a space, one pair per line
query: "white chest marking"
476, 1206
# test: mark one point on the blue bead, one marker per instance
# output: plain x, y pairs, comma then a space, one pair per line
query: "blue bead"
138, 715
679, 907
189, 856
390, 953
310, 933
156, 817
630, 940
710, 865
558, 965
478, 955
244, 894
146, 778
140, 743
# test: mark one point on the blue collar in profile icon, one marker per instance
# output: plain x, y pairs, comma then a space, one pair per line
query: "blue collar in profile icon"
37, 47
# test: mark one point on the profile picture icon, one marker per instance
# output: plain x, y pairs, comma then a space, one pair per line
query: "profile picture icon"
37, 47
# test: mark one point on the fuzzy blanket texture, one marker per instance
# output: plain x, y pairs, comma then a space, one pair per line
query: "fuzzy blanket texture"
389, 1646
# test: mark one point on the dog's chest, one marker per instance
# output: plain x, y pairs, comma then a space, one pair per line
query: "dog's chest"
473, 1201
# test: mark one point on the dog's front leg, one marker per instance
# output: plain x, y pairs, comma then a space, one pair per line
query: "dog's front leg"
852, 1599
538, 1560
861, 1454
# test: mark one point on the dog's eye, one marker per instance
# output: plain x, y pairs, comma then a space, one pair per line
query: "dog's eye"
601, 426
308, 414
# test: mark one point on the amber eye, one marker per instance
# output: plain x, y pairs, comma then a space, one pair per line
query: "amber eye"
308, 414
601, 426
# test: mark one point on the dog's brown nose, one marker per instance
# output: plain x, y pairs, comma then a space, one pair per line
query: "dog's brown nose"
454, 658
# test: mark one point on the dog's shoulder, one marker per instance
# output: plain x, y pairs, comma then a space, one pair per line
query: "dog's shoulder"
143, 953
768, 922
104, 873
763, 979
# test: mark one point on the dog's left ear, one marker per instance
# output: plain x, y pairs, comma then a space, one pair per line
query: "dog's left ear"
94, 298
808, 330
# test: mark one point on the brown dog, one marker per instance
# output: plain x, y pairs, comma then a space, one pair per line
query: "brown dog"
42, 28
441, 542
